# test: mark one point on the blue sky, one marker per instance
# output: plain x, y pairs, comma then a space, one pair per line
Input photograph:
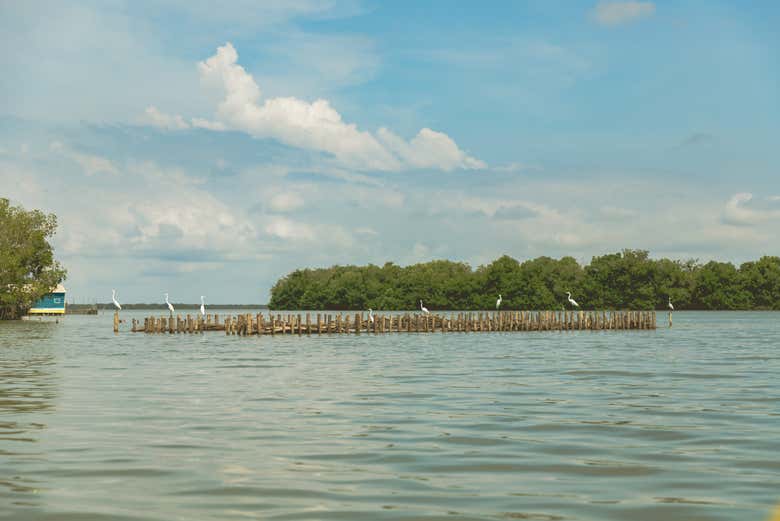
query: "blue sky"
197, 150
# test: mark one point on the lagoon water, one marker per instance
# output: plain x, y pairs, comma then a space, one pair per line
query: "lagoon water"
672, 424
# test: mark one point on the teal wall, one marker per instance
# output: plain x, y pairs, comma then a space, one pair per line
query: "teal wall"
51, 301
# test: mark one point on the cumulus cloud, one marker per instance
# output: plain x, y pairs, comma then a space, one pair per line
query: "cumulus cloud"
158, 119
743, 210
610, 13
429, 149
313, 125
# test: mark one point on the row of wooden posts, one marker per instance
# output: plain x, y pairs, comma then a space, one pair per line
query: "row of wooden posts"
249, 324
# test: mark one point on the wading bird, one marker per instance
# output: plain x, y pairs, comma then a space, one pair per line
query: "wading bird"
202, 306
170, 306
424, 309
671, 307
113, 297
371, 315
498, 302
571, 300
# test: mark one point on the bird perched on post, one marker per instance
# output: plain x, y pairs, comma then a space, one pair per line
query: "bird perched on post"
371, 315
170, 306
498, 302
669, 305
202, 306
113, 297
571, 300
424, 309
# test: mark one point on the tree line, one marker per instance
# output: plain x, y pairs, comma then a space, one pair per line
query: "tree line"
626, 280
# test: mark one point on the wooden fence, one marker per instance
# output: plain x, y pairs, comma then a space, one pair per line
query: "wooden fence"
347, 323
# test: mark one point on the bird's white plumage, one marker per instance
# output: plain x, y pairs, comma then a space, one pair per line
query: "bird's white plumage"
423, 308
202, 305
113, 297
170, 306
671, 307
571, 300
498, 302
371, 315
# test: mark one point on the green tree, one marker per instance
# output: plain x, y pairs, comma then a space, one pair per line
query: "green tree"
719, 286
626, 280
761, 279
28, 269
623, 280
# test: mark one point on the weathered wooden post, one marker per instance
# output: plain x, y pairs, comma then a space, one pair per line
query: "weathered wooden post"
116, 322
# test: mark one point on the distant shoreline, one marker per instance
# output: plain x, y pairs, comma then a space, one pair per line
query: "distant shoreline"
109, 306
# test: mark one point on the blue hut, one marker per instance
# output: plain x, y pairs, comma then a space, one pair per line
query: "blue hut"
50, 304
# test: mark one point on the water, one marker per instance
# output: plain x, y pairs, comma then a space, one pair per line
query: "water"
677, 424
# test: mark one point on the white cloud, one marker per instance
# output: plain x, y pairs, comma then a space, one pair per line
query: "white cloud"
516, 167
312, 126
159, 119
366, 231
90, 164
208, 125
286, 202
429, 149
285, 228
743, 210
617, 13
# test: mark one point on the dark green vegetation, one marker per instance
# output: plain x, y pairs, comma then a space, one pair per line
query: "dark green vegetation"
27, 266
626, 280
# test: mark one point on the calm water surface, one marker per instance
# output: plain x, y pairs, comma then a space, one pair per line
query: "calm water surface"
680, 424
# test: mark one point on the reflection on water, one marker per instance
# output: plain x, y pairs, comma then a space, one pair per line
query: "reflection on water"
669, 424
28, 389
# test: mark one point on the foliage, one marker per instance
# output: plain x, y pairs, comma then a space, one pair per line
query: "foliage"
630, 279
27, 266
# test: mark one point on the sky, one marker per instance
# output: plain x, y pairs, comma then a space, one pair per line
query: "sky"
202, 149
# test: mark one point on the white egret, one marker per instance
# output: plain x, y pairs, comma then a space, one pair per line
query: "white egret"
498, 302
424, 309
170, 306
202, 306
571, 300
671, 307
371, 315
113, 297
